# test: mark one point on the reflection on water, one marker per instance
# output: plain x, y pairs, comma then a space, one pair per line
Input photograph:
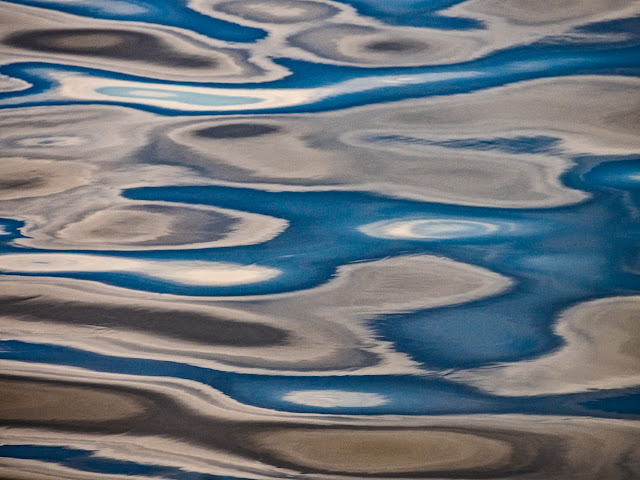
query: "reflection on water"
253, 239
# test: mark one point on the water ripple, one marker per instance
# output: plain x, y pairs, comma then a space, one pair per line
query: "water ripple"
259, 239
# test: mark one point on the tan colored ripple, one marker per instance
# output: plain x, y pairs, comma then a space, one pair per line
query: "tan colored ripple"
42, 402
385, 451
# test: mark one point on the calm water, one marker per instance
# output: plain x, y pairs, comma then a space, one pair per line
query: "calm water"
269, 239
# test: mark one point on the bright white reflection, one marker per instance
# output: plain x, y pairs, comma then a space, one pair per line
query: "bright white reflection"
436, 229
182, 97
184, 272
335, 398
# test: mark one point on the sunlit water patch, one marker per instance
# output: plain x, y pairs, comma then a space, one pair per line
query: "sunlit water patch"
188, 273
324, 239
434, 229
335, 398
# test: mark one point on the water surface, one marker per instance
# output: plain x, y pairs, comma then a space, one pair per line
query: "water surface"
259, 239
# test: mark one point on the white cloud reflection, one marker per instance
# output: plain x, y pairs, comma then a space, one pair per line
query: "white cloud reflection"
195, 273
335, 398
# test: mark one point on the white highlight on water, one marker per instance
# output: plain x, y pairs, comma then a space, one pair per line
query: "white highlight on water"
335, 398
197, 273
429, 229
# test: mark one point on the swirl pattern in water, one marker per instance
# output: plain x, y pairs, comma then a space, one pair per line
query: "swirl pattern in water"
319, 239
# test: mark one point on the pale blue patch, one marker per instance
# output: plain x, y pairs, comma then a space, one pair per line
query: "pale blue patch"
188, 98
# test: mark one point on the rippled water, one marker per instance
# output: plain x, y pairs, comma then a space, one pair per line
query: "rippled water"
266, 239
